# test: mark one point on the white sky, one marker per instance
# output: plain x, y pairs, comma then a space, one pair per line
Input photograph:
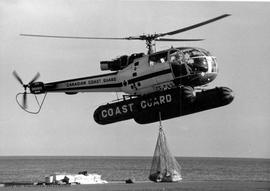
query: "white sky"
65, 125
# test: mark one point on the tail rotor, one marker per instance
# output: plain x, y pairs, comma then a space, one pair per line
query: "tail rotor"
25, 86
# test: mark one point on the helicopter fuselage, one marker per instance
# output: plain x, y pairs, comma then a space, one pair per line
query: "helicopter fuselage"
167, 69
157, 83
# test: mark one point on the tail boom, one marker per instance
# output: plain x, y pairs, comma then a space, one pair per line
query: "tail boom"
99, 83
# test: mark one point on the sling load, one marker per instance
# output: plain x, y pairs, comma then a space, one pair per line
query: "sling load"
164, 167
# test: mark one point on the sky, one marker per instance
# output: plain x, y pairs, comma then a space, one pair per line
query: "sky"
65, 125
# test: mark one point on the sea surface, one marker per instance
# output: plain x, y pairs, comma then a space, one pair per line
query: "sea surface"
34, 169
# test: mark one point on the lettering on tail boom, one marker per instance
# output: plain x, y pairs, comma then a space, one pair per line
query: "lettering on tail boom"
91, 82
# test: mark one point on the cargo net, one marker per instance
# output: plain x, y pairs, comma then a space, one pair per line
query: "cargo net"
164, 167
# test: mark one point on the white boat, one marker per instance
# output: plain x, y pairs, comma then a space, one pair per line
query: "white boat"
81, 178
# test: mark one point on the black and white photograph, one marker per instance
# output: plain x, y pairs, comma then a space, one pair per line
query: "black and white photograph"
134, 95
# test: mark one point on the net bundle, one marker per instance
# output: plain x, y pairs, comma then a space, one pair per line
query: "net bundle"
164, 166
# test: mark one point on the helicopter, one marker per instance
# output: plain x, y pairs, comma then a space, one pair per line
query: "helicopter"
158, 85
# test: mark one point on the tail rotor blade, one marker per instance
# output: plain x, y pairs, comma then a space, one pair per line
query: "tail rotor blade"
17, 77
24, 103
35, 78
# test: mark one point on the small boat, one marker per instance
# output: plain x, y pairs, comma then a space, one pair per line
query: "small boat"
80, 178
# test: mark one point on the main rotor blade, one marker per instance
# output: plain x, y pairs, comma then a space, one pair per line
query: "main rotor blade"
79, 37
171, 39
35, 78
17, 77
193, 26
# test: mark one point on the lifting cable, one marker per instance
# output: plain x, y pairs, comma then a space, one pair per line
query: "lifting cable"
160, 124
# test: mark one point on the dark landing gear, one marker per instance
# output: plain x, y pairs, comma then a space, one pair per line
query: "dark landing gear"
171, 103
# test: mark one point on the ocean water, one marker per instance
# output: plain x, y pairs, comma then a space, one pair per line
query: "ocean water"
33, 169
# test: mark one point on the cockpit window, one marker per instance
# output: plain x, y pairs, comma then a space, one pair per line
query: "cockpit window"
196, 52
181, 55
200, 64
160, 57
205, 52
188, 61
